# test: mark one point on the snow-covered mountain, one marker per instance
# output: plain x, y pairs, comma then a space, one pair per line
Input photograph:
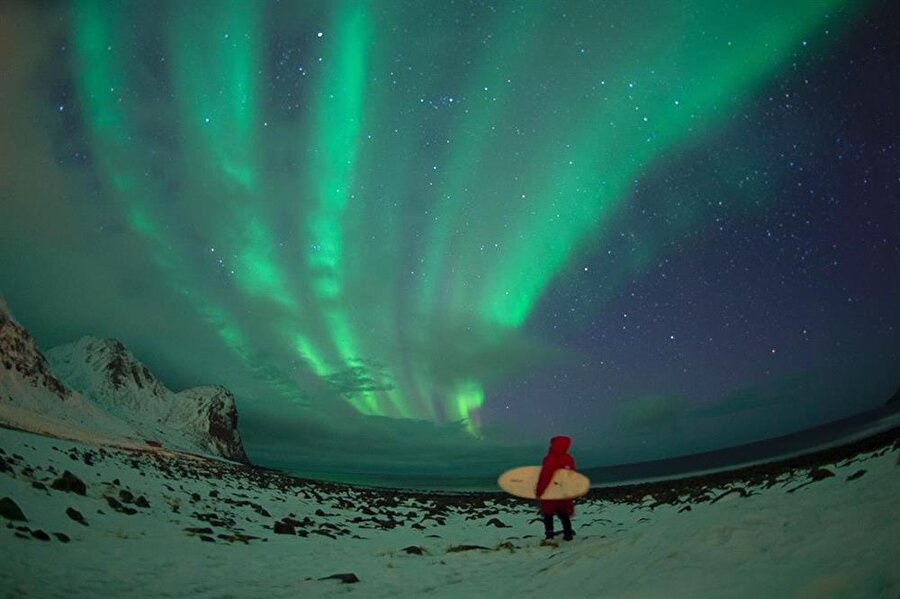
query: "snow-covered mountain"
204, 418
96, 389
33, 398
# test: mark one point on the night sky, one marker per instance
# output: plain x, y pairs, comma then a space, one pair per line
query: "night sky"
415, 235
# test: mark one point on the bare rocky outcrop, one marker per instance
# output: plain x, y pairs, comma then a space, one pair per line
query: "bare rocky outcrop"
19, 353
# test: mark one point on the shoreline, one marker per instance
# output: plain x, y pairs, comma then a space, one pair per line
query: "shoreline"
765, 472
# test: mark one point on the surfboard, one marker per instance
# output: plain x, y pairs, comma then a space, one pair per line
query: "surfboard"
566, 484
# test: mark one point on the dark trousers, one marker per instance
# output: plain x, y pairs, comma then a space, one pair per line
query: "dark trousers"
563, 517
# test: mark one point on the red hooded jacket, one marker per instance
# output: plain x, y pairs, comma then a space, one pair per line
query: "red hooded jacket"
556, 458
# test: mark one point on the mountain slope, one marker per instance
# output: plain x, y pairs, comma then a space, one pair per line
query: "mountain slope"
33, 398
95, 390
204, 418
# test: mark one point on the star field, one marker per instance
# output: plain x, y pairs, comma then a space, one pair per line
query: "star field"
658, 228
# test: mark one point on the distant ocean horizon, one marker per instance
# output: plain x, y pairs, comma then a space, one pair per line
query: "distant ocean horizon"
406, 482
832, 434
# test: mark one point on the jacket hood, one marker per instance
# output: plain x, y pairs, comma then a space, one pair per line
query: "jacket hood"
559, 445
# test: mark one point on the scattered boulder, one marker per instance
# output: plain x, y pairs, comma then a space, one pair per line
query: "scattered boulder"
283, 528
10, 510
820, 474
856, 475
413, 550
69, 483
114, 504
497, 522
76, 516
458, 548
40, 535
346, 578
62, 537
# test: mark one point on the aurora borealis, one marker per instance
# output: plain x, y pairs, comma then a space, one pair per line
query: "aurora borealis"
465, 224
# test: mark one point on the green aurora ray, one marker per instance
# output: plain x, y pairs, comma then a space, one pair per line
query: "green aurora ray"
439, 172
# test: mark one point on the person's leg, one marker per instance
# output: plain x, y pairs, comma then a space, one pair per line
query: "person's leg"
548, 526
567, 525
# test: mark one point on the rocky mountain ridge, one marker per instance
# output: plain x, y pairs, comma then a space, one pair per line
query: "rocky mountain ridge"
99, 384
19, 353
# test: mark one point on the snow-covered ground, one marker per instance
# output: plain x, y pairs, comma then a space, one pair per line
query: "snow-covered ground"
161, 524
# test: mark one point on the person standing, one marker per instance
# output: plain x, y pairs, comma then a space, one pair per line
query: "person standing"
557, 457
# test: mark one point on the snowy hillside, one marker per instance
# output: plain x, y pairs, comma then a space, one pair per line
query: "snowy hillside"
32, 398
95, 390
202, 418
106, 522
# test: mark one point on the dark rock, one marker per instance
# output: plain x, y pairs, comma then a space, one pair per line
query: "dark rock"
458, 548
207, 539
141, 501
62, 537
126, 496
195, 497
11, 511
199, 531
496, 522
114, 504
76, 516
686, 508
69, 483
820, 474
346, 578
283, 528
856, 475
40, 534
39, 485
506, 545
413, 550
